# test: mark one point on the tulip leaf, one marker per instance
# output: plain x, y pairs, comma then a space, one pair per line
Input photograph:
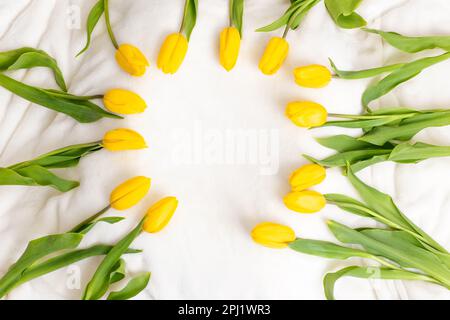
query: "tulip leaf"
36, 172
99, 283
36, 250
43, 177
407, 129
362, 74
400, 251
82, 111
189, 17
399, 76
349, 204
132, 289
326, 249
369, 273
27, 58
343, 13
360, 165
237, 14
93, 18
413, 44
117, 272
293, 17
341, 159
384, 205
343, 143
413, 153
63, 260
88, 227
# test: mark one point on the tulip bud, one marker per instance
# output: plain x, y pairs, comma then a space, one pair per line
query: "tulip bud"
130, 193
307, 201
273, 235
124, 102
307, 176
172, 53
123, 139
230, 42
312, 76
159, 215
306, 114
274, 55
131, 60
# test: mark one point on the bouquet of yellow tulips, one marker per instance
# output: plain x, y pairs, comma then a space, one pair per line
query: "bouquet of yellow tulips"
48, 254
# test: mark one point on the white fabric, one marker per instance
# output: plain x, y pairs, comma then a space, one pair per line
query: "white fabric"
206, 251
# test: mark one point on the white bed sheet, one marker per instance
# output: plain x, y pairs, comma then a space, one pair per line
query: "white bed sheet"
206, 252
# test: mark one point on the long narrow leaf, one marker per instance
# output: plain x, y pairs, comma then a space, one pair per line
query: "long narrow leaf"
94, 16
362, 74
189, 17
236, 14
413, 44
132, 289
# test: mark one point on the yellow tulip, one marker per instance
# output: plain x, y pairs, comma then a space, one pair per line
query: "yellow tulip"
130, 193
124, 102
307, 201
312, 76
172, 53
159, 215
306, 114
307, 176
274, 55
273, 235
230, 43
123, 139
131, 60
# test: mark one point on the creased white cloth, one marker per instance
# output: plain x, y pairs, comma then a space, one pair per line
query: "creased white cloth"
218, 141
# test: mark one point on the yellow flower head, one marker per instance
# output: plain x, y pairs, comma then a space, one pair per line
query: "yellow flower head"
306, 114
307, 201
172, 53
312, 76
230, 43
159, 215
307, 176
123, 139
273, 235
124, 102
274, 55
131, 60
130, 193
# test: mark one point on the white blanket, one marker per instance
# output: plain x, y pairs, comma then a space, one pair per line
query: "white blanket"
218, 141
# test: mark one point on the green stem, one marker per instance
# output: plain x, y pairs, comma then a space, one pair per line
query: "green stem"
108, 25
286, 30
89, 220
76, 98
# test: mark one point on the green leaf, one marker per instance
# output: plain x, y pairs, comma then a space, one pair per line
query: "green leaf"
117, 272
43, 177
413, 44
326, 249
82, 111
99, 283
132, 289
343, 13
88, 227
360, 165
284, 19
354, 156
94, 16
408, 128
349, 204
61, 158
413, 153
189, 17
27, 58
368, 273
63, 260
343, 143
399, 76
236, 14
299, 14
10, 177
362, 74
36, 250
403, 253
